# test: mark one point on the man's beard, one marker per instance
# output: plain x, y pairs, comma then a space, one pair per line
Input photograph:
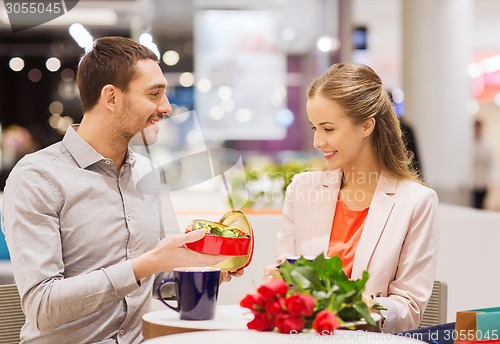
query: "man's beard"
145, 137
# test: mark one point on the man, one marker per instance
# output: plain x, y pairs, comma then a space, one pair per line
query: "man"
84, 241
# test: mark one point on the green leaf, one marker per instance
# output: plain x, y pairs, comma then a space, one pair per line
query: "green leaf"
348, 313
362, 309
342, 299
325, 280
286, 271
360, 284
305, 278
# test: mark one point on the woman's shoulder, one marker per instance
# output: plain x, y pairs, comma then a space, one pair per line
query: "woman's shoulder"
415, 189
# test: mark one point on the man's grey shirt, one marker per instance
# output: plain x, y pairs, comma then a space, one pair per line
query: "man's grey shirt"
73, 224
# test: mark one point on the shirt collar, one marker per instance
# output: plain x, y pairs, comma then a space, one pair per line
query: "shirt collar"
83, 153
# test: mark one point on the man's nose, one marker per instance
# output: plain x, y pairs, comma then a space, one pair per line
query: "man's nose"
165, 108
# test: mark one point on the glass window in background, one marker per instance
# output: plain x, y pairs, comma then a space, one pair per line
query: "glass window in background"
240, 75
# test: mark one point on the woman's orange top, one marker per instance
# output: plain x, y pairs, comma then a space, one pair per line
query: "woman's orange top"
346, 230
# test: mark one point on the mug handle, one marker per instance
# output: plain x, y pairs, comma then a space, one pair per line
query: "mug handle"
158, 291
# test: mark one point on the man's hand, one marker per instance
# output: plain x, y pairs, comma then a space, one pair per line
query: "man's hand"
171, 253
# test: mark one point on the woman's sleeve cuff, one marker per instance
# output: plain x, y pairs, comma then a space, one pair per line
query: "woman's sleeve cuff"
390, 315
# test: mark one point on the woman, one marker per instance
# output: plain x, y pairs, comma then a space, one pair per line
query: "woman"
368, 207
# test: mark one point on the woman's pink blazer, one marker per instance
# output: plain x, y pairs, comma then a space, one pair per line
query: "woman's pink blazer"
398, 246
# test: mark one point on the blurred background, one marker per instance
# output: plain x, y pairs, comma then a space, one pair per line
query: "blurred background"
243, 67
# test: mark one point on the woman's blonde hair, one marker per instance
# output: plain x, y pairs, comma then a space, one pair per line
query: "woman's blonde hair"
359, 91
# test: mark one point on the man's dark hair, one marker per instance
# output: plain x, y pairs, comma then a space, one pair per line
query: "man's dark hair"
111, 60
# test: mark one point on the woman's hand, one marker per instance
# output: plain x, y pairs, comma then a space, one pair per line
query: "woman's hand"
280, 260
225, 276
272, 271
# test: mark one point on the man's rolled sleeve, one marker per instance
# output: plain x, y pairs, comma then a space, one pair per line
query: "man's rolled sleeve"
122, 278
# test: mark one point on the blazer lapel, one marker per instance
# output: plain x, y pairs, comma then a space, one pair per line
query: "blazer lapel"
328, 190
380, 209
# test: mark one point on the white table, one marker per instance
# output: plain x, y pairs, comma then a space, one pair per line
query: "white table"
231, 318
252, 337
168, 322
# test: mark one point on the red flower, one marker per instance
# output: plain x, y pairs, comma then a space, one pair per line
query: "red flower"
274, 308
261, 322
287, 323
300, 305
325, 322
274, 289
254, 302
302, 299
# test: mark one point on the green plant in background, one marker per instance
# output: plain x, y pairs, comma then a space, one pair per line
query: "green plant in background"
266, 181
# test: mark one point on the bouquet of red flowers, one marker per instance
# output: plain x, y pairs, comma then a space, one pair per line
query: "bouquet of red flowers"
315, 295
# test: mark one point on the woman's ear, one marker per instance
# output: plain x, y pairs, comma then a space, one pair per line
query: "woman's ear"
108, 97
368, 126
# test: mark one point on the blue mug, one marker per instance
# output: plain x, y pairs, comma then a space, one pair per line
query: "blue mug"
197, 291
293, 259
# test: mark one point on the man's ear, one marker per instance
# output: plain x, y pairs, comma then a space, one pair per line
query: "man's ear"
108, 97
368, 126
